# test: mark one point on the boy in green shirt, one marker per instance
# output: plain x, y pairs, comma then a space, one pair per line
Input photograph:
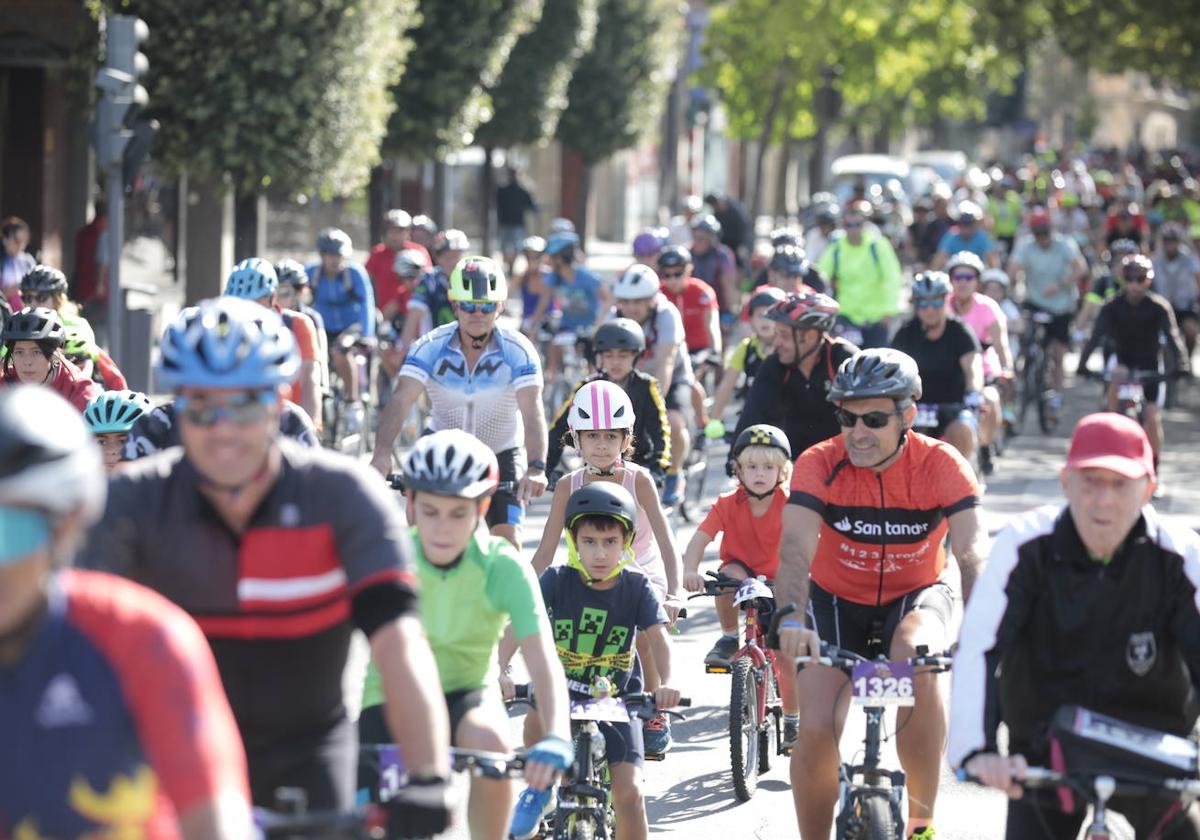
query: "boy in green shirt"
472, 586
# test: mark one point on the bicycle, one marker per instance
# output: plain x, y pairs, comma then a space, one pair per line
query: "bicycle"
870, 798
585, 810
361, 350
755, 707
1032, 378
1149, 763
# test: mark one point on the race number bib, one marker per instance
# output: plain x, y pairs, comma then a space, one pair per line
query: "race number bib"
927, 416
1132, 391
882, 684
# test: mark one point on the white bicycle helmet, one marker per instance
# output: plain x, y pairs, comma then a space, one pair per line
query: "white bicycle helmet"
600, 405
48, 458
451, 463
638, 283
995, 275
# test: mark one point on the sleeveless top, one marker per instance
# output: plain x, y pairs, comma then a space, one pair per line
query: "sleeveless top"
645, 547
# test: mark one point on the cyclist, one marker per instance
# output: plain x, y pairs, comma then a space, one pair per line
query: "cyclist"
1106, 286
47, 287
618, 345
599, 610
948, 357
254, 279
343, 294
110, 416
578, 293
449, 478
390, 288
648, 244
1091, 603
1140, 325
93, 747
1050, 265
746, 358
751, 520
81, 350
424, 232
968, 235
602, 423
1177, 278
867, 519
789, 390
697, 305
531, 283
790, 271
716, 265
987, 320
1004, 210
824, 229
33, 340
279, 553
484, 379
666, 359
408, 267
864, 275
430, 302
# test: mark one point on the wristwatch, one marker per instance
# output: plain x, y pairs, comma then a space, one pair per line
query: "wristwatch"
537, 466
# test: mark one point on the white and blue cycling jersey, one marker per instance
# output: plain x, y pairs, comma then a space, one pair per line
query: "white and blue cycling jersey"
483, 400
345, 300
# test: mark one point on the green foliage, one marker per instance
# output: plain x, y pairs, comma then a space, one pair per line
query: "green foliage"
284, 92
618, 86
460, 49
532, 91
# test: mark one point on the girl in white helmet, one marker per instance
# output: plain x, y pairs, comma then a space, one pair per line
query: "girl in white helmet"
601, 422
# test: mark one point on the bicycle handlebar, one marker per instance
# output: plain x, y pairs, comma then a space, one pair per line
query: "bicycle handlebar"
1083, 780
846, 660
720, 584
642, 702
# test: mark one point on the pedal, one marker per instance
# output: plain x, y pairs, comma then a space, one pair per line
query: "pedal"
655, 756
716, 669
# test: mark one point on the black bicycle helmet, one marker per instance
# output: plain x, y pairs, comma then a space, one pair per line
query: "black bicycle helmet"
602, 498
619, 334
707, 224
784, 236
930, 284
291, 273
789, 260
766, 296
881, 372
30, 324
674, 256
762, 434
43, 278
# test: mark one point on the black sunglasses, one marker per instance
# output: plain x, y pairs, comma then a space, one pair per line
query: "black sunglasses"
872, 419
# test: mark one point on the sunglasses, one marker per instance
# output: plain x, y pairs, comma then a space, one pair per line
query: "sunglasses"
470, 307
674, 275
929, 303
37, 297
244, 409
1041, 231
853, 225
964, 276
872, 419
1136, 277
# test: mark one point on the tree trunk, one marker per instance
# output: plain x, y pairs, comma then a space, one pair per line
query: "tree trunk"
581, 199
441, 198
816, 163
376, 202
781, 209
764, 137
245, 226
487, 197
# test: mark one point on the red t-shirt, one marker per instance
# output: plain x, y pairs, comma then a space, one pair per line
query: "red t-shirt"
751, 540
695, 303
901, 512
380, 266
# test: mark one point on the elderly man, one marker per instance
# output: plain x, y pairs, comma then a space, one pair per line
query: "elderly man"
1091, 603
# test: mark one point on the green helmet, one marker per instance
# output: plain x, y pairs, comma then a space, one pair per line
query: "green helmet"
80, 340
478, 279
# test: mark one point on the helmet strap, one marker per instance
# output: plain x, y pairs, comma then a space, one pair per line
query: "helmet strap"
608, 473
478, 342
800, 357
899, 443
758, 497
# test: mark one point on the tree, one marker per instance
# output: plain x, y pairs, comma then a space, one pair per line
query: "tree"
461, 47
618, 85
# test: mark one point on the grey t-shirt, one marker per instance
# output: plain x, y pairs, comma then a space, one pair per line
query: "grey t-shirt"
1045, 267
1176, 279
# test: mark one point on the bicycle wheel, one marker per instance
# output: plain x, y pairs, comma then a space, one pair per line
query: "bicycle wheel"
769, 731
869, 818
743, 729
1047, 420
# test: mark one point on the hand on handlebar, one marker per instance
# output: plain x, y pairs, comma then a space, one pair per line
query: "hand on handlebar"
508, 689
693, 582
381, 460
673, 605
665, 697
531, 487
546, 760
999, 771
799, 641
422, 808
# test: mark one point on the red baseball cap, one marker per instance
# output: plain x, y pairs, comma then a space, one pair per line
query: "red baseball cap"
1110, 441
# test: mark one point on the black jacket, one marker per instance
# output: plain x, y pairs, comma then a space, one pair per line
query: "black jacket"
651, 431
1047, 626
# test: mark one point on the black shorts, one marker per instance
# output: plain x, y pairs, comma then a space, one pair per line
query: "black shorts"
679, 397
504, 508
623, 742
852, 626
321, 763
1059, 328
1184, 314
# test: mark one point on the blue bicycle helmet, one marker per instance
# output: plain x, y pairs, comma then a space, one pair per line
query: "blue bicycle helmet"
115, 411
559, 242
252, 279
227, 343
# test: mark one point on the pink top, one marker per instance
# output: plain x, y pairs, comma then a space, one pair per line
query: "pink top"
645, 547
982, 314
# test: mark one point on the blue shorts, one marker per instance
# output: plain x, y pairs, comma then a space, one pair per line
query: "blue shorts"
505, 509
623, 742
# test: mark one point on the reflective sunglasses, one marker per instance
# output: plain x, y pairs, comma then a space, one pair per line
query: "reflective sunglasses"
964, 276
872, 419
244, 409
37, 297
487, 307
929, 303
22, 531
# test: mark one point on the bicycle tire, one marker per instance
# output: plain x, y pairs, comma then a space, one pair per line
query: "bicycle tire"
871, 818
744, 729
769, 735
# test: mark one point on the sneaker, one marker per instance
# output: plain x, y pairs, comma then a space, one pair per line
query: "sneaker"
722, 651
657, 732
791, 732
672, 489
985, 460
699, 440
925, 833
1055, 401
527, 816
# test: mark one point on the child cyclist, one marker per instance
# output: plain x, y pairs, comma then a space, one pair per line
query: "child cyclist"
110, 416
472, 585
601, 421
746, 356
751, 520
599, 608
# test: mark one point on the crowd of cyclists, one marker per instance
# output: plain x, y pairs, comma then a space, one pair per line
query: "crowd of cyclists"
864, 374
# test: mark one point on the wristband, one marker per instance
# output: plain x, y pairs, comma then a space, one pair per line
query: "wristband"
792, 624
538, 465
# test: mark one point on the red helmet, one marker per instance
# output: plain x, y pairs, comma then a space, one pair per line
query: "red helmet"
809, 311
1039, 218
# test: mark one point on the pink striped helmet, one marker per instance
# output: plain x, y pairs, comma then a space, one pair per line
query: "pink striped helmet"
600, 405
